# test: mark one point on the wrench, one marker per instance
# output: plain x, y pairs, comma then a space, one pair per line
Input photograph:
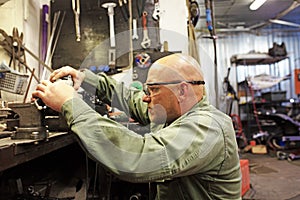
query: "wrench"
146, 43
134, 35
156, 13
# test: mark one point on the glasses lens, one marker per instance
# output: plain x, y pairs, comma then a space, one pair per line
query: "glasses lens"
146, 89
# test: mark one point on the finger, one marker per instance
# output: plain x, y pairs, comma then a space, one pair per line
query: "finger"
61, 72
37, 94
42, 86
57, 75
45, 82
54, 74
76, 85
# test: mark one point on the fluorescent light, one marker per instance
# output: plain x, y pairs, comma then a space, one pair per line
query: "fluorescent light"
256, 4
277, 21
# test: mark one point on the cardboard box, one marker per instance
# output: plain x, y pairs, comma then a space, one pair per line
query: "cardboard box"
244, 163
259, 149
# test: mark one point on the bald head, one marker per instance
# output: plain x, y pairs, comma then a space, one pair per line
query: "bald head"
179, 70
175, 67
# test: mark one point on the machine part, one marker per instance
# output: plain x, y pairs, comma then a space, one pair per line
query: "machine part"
76, 11
34, 120
146, 43
293, 156
30, 122
137, 196
135, 34
27, 114
156, 12
110, 8
124, 10
39, 104
281, 155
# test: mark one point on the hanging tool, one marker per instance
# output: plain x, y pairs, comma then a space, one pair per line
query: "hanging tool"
156, 17
135, 34
13, 45
17, 41
156, 11
8, 45
124, 10
195, 12
146, 43
140, 4
112, 51
110, 9
76, 11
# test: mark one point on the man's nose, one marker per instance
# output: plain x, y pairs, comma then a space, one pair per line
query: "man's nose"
146, 98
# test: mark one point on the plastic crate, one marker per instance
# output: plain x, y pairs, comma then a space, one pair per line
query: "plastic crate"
13, 82
244, 163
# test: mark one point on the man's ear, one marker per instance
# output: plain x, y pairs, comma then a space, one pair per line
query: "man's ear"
183, 91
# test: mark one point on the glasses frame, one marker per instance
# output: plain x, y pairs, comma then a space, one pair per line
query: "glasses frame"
146, 90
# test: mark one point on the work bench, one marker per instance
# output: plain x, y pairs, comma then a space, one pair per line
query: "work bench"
17, 151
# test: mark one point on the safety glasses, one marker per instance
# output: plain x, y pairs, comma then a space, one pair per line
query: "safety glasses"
147, 90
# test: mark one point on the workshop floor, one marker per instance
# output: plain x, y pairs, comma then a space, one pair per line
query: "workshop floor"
272, 179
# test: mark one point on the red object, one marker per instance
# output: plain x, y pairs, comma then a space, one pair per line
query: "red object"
244, 163
252, 142
297, 81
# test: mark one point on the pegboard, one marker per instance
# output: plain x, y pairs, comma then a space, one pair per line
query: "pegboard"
92, 50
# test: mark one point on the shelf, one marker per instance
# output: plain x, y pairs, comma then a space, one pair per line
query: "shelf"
255, 59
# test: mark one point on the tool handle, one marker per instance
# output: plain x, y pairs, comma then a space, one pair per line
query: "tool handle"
77, 27
144, 19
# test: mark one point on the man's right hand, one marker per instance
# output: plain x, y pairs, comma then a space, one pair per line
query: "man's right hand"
77, 76
54, 95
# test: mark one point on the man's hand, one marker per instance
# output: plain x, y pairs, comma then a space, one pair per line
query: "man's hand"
77, 76
54, 94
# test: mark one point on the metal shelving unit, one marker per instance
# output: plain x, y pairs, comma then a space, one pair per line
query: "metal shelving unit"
246, 108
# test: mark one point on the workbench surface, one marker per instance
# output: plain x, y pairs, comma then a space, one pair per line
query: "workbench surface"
16, 151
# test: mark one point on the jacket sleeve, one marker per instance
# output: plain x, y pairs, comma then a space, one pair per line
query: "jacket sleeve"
115, 94
122, 151
177, 150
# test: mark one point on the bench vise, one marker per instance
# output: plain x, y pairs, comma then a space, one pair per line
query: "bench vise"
26, 121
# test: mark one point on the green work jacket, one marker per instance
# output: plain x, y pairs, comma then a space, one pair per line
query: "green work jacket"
194, 158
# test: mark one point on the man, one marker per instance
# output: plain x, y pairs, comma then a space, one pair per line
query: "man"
191, 151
